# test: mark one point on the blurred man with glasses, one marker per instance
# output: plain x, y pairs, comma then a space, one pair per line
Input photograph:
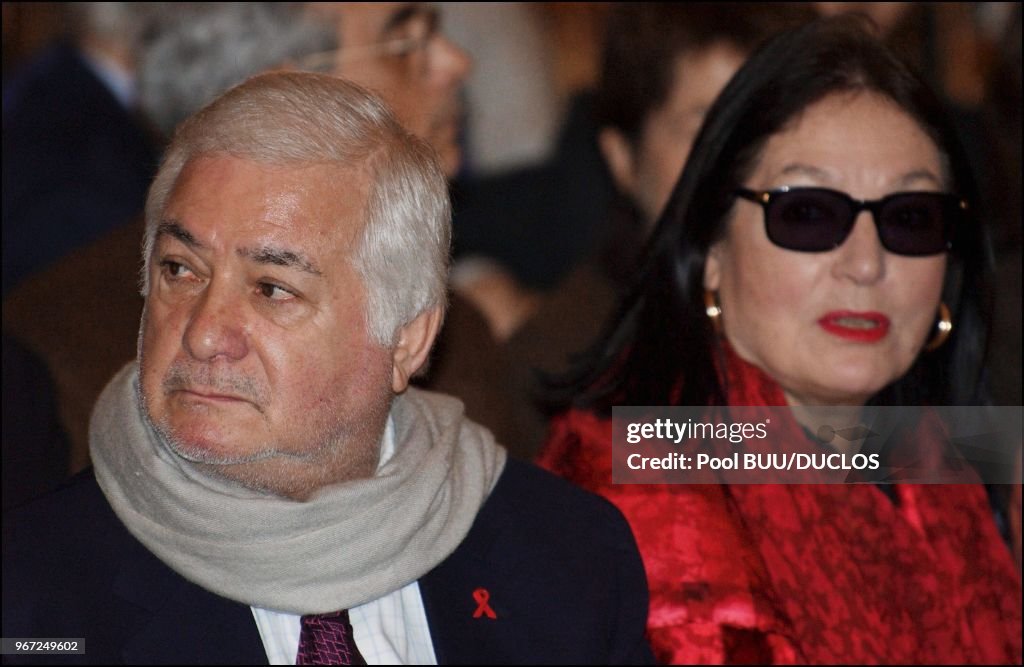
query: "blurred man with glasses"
399, 51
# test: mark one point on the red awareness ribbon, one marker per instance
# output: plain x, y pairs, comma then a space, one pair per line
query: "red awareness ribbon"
482, 595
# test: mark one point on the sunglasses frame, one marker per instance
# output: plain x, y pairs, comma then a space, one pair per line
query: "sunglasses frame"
768, 198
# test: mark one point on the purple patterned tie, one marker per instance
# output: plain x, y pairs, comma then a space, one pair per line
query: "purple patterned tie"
327, 639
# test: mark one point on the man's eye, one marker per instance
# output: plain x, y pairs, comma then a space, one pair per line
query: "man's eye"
414, 36
175, 270
404, 47
275, 292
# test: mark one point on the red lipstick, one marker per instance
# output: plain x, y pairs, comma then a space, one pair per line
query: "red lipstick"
861, 327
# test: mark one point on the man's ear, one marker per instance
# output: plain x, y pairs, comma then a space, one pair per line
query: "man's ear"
618, 155
414, 342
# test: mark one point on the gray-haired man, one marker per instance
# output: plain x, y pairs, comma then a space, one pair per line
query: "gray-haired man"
264, 465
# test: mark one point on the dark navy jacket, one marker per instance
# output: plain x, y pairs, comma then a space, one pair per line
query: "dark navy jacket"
561, 567
76, 164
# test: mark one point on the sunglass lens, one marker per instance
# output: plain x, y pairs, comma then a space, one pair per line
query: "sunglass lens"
915, 224
808, 220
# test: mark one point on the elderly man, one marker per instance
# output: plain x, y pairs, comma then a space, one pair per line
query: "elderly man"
81, 315
266, 484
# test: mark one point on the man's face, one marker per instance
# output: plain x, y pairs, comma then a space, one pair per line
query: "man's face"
398, 50
255, 356
670, 130
648, 169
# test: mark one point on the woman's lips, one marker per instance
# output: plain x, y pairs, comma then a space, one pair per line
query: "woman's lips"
866, 327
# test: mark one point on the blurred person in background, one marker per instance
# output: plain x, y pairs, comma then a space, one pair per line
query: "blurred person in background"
77, 157
1001, 114
513, 112
35, 447
80, 316
662, 67
512, 101
781, 273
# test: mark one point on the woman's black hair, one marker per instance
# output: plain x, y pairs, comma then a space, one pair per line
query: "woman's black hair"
659, 348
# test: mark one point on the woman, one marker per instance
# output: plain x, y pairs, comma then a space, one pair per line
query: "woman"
766, 283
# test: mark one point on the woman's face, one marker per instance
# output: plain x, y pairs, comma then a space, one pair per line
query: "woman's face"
834, 327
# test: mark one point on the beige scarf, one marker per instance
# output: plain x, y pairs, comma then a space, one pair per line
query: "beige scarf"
350, 544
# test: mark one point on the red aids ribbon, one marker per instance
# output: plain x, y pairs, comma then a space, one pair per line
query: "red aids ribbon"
482, 595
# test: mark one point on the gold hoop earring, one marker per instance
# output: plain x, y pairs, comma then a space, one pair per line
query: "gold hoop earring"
713, 310
943, 328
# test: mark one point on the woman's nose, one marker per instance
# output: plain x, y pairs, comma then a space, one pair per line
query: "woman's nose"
861, 257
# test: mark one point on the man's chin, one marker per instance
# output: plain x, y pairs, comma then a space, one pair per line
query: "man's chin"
451, 160
205, 448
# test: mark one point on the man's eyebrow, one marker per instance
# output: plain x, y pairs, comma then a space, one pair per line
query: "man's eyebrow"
401, 16
280, 257
174, 229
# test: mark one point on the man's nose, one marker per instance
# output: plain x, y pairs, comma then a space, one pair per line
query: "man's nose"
450, 60
217, 326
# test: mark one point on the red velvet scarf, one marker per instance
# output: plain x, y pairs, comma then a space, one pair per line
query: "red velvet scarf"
807, 573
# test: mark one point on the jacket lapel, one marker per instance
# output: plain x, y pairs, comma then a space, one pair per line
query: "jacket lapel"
180, 622
477, 605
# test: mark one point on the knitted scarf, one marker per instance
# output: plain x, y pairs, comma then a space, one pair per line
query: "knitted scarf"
350, 544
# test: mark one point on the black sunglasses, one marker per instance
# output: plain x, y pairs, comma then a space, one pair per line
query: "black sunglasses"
820, 219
